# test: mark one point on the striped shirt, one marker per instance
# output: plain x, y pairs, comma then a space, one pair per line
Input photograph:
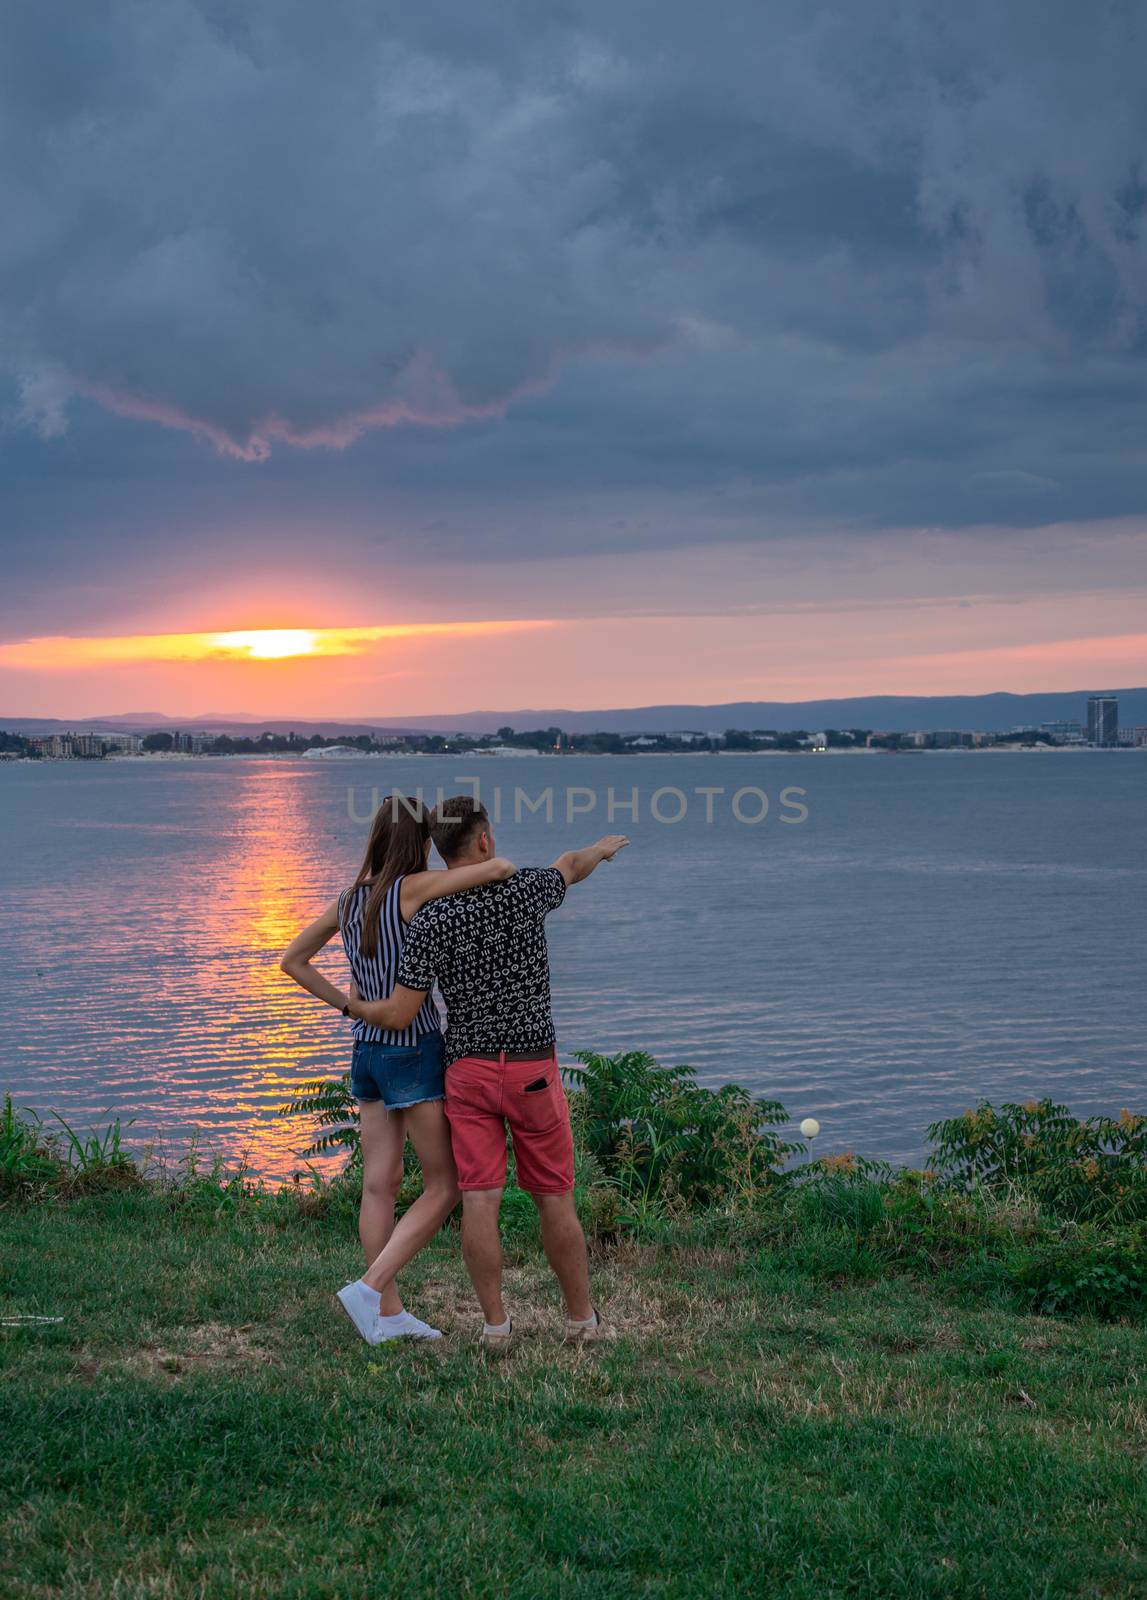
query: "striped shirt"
375, 976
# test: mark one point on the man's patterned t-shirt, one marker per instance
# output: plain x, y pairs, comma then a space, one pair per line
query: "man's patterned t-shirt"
487, 950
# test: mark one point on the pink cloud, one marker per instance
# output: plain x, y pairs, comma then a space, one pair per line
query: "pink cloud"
426, 397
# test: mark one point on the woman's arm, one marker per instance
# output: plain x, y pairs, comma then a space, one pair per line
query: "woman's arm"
419, 888
296, 963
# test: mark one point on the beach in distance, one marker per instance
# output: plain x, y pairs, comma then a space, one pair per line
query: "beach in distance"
1001, 748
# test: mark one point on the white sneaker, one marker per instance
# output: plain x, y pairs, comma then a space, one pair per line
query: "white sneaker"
403, 1326
361, 1306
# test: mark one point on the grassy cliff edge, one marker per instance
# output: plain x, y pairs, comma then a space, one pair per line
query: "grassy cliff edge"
846, 1381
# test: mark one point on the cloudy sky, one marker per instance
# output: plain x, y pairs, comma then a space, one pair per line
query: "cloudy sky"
585, 354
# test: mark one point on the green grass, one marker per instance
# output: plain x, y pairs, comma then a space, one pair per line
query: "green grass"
780, 1415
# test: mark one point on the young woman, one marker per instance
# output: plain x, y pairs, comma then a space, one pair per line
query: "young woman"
397, 1078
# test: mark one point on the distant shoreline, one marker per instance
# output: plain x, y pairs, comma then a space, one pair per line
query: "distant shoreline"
181, 757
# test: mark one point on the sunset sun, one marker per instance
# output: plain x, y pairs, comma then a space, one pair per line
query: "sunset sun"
270, 644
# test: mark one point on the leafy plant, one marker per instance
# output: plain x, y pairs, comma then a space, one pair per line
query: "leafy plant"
1105, 1277
1092, 1169
98, 1160
663, 1140
215, 1190
848, 1200
93, 1148
26, 1158
331, 1101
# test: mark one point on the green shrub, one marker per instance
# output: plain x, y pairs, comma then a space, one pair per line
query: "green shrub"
650, 1131
1022, 1202
662, 1139
36, 1161
96, 1162
1103, 1277
846, 1200
600, 1210
27, 1161
217, 1190
1078, 1170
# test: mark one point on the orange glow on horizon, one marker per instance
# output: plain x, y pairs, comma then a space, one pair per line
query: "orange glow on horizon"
268, 663
65, 652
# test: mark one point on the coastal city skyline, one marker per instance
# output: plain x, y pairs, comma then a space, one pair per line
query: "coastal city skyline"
1100, 729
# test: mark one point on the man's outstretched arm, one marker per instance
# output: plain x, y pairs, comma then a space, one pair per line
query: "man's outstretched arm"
578, 864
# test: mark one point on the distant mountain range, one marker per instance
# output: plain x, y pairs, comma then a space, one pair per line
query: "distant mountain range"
993, 713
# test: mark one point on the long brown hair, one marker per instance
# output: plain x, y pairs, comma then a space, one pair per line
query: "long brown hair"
396, 847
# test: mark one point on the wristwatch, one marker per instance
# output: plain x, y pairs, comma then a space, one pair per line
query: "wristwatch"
346, 1009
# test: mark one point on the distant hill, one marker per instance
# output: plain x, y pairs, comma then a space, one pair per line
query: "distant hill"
245, 726
994, 713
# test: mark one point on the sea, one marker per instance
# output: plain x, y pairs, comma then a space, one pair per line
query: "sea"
876, 941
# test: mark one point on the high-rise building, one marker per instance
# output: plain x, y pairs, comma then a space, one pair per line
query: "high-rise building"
1102, 719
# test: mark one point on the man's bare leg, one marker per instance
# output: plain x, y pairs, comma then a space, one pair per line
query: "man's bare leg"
564, 1244
482, 1251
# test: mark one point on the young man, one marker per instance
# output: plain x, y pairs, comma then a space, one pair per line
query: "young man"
487, 950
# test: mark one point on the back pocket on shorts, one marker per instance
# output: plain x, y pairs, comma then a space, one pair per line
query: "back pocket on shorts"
399, 1071
535, 1110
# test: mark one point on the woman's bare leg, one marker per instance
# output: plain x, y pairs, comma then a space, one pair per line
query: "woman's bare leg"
430, 1135
383, 1135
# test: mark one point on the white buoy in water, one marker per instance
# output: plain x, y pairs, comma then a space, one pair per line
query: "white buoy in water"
810, 1127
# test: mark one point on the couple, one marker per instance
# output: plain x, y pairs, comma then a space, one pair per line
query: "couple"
478, 931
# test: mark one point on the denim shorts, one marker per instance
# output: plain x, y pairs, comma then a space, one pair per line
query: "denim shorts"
397, 1074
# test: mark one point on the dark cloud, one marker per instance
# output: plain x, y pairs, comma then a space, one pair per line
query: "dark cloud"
788, 260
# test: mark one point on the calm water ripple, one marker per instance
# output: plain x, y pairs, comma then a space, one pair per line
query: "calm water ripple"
939, 929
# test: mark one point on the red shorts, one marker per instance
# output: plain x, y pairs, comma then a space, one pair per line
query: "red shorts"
484, 1098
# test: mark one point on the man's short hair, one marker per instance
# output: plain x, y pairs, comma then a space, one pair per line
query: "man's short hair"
455, 824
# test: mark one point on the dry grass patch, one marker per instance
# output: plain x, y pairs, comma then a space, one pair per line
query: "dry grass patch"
709, 1257
206, 1346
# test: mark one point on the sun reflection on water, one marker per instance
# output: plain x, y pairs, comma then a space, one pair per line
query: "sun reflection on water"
168, 942
262, 894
